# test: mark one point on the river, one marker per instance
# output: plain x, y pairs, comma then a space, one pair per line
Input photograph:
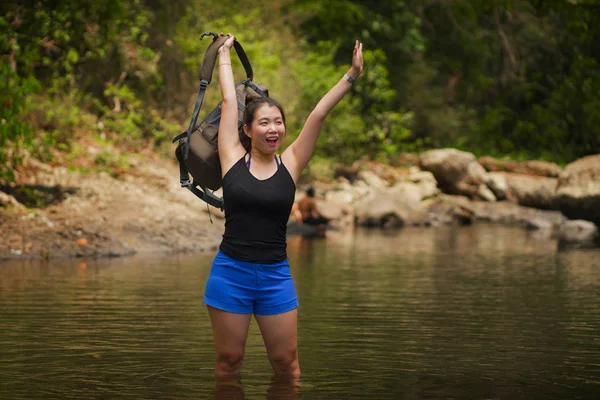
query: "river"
478, 312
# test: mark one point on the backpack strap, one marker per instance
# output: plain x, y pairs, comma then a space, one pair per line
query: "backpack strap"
202, 193
210, 58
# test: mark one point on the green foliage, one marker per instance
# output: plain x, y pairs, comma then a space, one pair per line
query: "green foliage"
361, 126
320, 168
502, 77
112, 162
14, 132
569, 126
498, 77
57, 121
88, 56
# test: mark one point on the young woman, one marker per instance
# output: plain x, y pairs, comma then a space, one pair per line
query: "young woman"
250, 274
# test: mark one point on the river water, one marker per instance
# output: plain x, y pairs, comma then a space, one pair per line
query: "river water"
479, 312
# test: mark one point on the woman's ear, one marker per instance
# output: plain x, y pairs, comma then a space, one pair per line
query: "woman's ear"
247, 131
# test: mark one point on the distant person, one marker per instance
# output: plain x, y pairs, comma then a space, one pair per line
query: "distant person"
250, 274
306, 212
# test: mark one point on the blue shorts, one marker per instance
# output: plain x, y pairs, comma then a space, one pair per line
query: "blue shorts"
250, 288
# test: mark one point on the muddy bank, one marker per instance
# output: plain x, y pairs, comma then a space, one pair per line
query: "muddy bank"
96, 215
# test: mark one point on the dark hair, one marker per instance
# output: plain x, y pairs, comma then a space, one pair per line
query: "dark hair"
310, 192
251, 106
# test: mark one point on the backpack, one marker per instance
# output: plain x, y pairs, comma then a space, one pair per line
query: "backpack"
197, 151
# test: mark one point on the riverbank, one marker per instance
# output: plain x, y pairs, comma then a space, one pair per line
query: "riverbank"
99, 215
53, 212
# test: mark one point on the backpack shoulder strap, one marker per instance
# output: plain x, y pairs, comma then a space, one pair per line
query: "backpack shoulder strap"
210, 58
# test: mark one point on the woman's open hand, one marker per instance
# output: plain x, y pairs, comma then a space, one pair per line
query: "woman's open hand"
357, 60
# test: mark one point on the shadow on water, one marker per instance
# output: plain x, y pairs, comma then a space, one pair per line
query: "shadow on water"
479, 312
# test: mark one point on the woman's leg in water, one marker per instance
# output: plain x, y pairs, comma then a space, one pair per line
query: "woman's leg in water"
230, 332
279, 332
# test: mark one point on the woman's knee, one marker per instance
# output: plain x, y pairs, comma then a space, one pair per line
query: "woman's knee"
286, 362
228, 363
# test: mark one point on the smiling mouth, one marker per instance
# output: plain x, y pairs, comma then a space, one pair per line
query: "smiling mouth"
272, 141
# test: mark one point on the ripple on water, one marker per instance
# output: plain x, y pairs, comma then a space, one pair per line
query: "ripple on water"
478, 312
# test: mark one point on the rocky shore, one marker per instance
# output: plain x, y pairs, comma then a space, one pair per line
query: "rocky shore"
51, 212
448, 186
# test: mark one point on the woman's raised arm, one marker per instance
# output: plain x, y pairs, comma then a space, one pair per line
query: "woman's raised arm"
230, 147
298, 153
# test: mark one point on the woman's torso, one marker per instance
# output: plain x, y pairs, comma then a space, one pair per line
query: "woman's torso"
256, 213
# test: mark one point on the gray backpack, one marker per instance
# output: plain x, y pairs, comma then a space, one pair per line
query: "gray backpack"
197, 150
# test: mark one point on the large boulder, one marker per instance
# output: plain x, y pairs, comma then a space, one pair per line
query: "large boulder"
457, 172
578, 190
346, 193
531, 191
340, 215
391, 209
448, 209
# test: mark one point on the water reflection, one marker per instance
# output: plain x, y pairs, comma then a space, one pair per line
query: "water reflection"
278, 389
469, 312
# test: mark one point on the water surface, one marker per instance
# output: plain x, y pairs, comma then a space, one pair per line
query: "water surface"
480, 312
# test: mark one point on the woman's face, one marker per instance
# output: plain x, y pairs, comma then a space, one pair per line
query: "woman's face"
267, 130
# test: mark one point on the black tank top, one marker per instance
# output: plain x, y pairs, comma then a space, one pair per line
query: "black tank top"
256, 214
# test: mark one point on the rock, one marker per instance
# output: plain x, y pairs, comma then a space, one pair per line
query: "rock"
371, 179
426, 183
531, 191
532, 167
361, 190
541, 168
387, 209
485, 193
497, 184
457, 172
538, 224
507, 212
492, 164
9, 200
578, 190
4, 199
408, 191
339, 196
340, 215
577, 233
447, 209
331, 209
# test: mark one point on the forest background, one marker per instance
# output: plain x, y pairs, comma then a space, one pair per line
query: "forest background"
506, 78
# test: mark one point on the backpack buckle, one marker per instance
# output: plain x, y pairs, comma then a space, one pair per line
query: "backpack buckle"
185, 183
203, 84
